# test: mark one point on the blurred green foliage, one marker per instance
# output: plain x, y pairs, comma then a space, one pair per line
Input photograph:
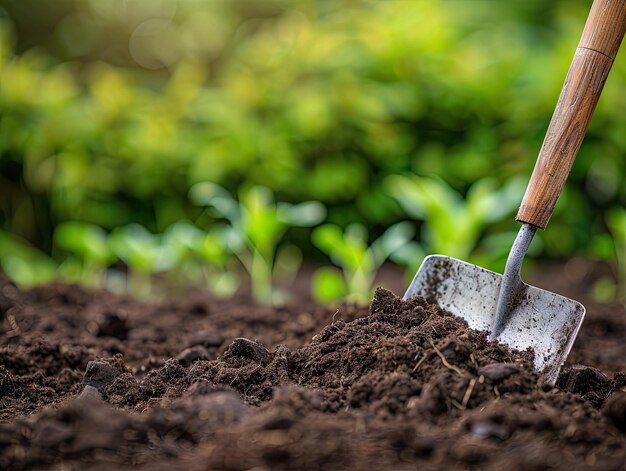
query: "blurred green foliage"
111, 111
358, 262
610, 247
256, 224
88, 250
453, 224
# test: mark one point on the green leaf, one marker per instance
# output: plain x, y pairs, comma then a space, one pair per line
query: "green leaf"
212, 249
70, 270
616, 220
604, 290
392, 240
138, 248
421, 196
410, 256
87, 241
347, 249
24, 264
260, 222
184, 234
328, 285
224, 284
304, 214
602, 247
211, 194
328, 237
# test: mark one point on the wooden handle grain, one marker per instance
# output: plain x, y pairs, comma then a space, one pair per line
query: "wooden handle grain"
590, 67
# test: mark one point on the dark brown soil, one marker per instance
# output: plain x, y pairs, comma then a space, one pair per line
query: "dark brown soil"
95, 381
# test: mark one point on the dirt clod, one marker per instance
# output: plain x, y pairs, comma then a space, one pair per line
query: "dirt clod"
581, 379
590, 383
99, 374
242, 350
189, 355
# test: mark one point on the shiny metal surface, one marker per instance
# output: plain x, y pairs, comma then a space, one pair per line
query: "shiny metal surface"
512, 286
540, 320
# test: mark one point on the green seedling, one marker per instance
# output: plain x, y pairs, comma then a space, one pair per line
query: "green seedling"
24, 264
180, 241
143, 253
256, 224
218, 272
358, 262
453, 225
198, 255
90, 253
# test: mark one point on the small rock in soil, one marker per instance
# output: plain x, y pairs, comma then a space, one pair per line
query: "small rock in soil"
90, 393
99, 374
497, 372
189, 355
207, 338
248, 349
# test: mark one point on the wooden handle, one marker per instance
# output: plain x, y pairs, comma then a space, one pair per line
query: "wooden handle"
590, 67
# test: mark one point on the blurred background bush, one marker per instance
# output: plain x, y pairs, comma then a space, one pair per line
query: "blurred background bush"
384, 111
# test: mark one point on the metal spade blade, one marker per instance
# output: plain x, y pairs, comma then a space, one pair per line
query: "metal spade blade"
544, 322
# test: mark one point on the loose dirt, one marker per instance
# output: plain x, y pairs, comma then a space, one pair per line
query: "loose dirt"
89, 380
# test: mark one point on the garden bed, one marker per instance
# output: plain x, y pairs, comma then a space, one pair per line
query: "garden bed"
96, 381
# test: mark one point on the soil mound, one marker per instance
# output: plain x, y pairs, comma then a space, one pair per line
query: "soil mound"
404, 384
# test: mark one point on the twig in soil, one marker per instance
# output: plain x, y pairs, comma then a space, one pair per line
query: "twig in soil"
419, 363
468, 392
443, 359
456, 404
569, 432
473, 359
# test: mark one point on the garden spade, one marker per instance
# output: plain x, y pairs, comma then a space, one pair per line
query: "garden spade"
515, 313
